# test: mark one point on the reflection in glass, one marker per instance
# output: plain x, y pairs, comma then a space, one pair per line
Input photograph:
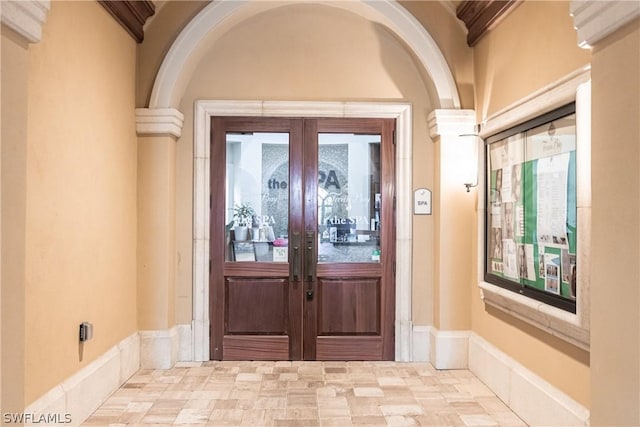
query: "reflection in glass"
257, 197
532, 208
349, 198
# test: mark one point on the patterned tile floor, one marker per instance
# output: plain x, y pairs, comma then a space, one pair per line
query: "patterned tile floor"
304, 394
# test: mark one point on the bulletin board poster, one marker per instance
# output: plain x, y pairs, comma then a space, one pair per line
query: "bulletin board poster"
531, 208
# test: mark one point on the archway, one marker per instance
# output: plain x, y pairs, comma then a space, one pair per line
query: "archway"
176, 70
186, 50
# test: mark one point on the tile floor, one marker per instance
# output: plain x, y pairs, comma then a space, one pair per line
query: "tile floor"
304, 394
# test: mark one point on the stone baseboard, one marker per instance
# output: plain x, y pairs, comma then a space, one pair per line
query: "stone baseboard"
533, 399
449, 349
421, 343
82, 393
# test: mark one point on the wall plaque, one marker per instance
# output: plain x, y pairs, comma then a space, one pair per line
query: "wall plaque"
422, 202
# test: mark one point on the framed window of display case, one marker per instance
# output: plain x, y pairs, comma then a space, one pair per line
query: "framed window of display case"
534, 227
531, 221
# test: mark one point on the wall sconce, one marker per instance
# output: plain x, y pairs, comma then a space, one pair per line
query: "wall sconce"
469, 167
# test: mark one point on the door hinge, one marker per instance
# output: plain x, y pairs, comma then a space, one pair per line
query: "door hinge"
210, 200
209, 266
394, 203
394, 137
394, 268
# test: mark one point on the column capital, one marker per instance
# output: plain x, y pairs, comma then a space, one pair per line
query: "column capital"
451, 122
25, 17
594, 20
159, 121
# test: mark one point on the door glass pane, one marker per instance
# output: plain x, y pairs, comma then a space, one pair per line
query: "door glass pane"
349, 199
257, 197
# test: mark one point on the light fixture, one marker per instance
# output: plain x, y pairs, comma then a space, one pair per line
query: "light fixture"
470, 185
469, 160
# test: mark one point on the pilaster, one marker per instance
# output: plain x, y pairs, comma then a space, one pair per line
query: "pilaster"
453, 209
612, 29
158, 130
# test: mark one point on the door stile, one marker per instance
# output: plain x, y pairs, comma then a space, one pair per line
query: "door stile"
310, 178
388, 157
216, 244
296, 221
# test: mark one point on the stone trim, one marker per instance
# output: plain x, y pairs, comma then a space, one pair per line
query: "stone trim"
402, 112
159, 121
449, 349
390, 13
533, 399
451, 122
595, 20
159, 349
25, 17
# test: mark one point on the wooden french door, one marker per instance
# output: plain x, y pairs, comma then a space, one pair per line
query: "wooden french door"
302, 239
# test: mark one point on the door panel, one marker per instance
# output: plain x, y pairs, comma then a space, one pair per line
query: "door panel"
313, 276
349, 306
257, 347
269, 315
349, 348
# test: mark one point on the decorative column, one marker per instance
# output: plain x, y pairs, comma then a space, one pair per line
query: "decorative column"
612, 29
158, 131
454, 214
21, 26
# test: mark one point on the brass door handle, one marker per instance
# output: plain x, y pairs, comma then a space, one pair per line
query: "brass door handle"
296, 263
295, 260
310, 259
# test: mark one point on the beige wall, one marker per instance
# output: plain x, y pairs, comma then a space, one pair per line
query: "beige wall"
615, 272
536, 45
81, 192
533, 47
15, 63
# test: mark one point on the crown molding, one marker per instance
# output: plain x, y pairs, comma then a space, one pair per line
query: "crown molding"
25, 17
480, 16
594, 20
130, 14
